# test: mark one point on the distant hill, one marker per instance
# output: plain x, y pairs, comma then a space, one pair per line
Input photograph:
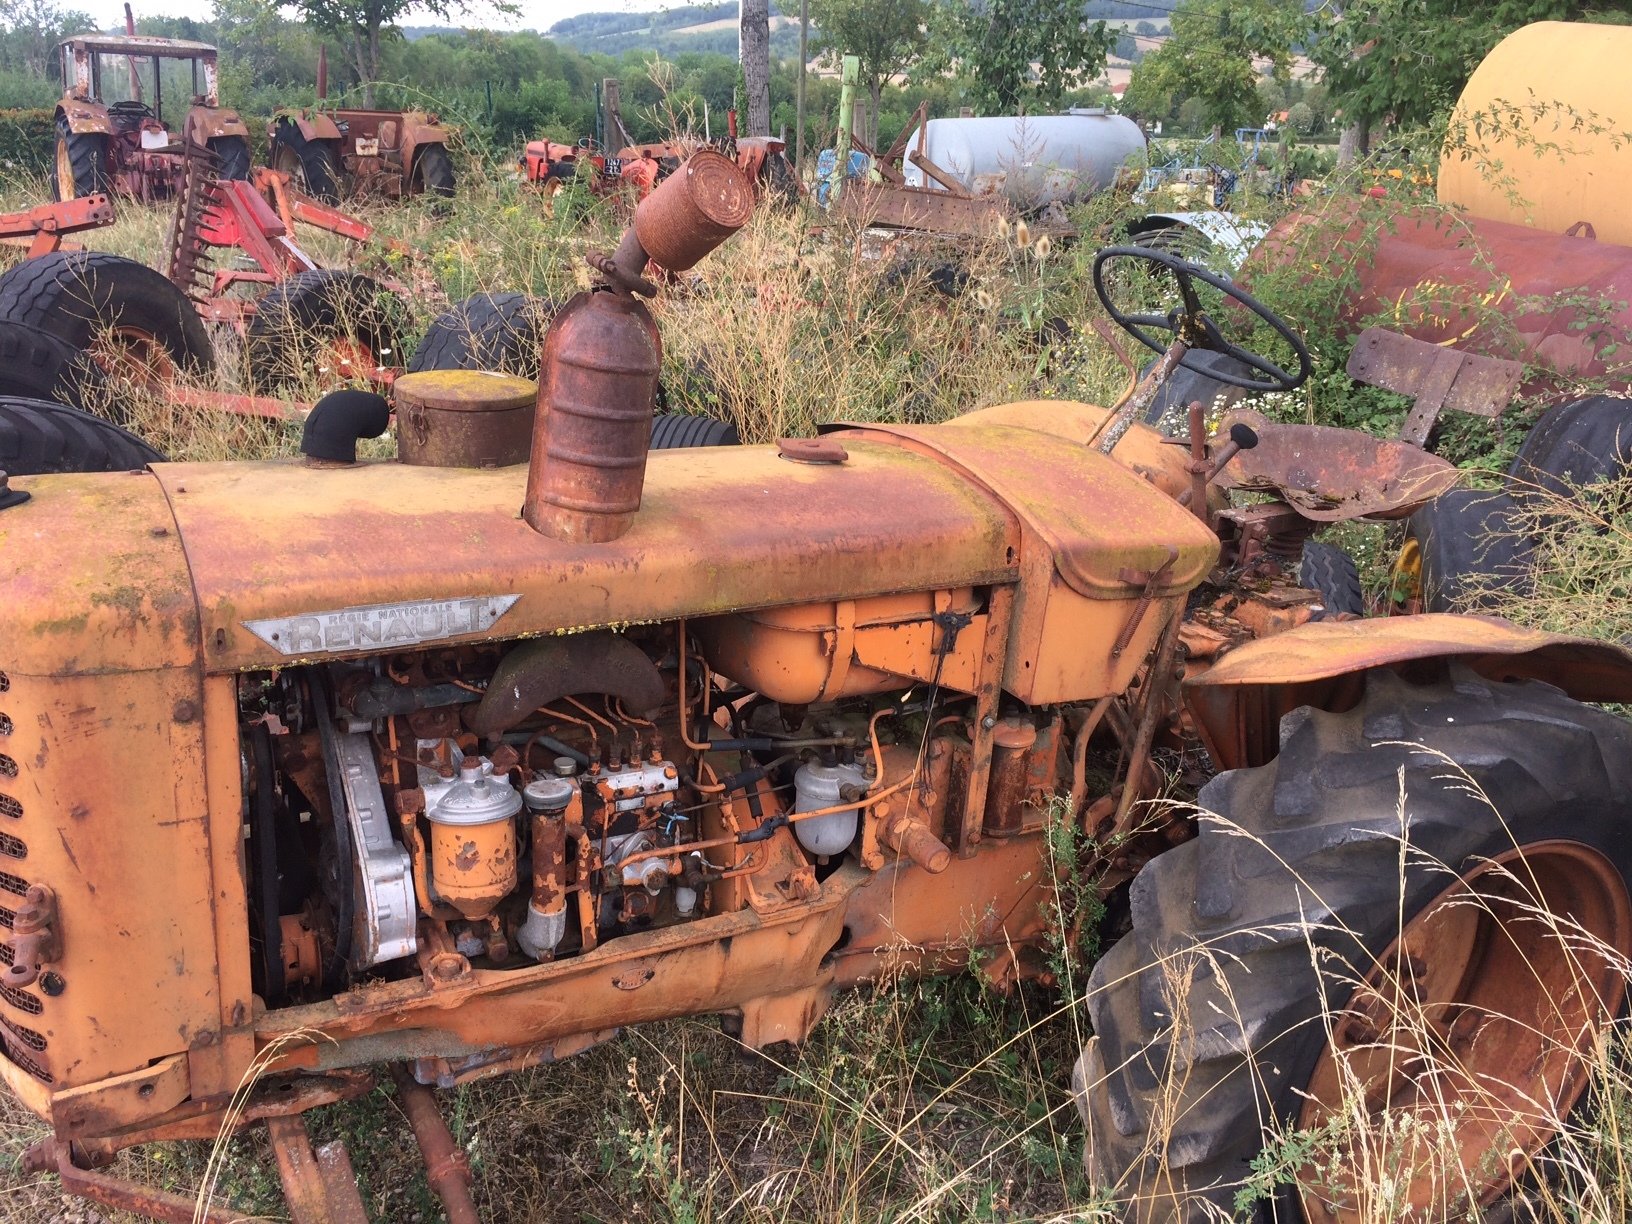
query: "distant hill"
671, 31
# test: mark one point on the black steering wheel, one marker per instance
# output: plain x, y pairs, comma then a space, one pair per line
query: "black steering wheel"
1192, 324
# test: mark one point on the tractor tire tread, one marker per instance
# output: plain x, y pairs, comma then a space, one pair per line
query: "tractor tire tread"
38, 437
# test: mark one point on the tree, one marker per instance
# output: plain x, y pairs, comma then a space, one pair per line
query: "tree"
754, 52
885, 35
1016, 54
32, 29
1215, 55
359, 24
1409, 59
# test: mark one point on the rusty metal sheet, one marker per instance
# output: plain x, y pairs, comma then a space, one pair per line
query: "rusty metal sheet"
1546, 299
319, 1187
712, 536
1238, 702
1331, 475
918, 209
1408, 366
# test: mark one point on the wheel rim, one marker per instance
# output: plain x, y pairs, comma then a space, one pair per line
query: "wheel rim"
134, 354
347, 357
288, 163
1482, 1012
66, 187
1405, 579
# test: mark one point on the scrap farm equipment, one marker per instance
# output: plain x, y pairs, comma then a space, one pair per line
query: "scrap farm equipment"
125, 145
729, 730
330, 152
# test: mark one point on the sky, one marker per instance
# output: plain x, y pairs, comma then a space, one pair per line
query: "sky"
534, 14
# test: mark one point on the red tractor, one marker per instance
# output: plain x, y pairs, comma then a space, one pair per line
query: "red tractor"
113, 133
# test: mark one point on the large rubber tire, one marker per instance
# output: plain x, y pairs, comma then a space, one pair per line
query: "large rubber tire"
313, 164
488, 331
1473, 552
36, 365
433, 171
292, 325
1572, 446
673, 431
1303, 865
234, 154
37, 438
77, 296
80, 167
1328, 570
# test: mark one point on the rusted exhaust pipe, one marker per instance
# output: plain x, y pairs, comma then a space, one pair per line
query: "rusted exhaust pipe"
603, 353
446, 1168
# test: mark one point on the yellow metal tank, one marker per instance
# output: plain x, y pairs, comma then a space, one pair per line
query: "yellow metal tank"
1551, 103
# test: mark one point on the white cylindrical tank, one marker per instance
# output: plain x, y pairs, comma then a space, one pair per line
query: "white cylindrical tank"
1031, 159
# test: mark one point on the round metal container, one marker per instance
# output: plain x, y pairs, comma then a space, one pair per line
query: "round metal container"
589, 453
1032, 160
695, 209
464, 418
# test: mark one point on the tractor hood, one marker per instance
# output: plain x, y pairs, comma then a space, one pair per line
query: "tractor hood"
289, 563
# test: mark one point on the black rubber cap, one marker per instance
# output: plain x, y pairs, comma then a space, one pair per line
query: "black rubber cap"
338, 420
1243, 436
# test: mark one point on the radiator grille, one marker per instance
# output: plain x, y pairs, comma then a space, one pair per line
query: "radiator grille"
22, 1000
24, 1046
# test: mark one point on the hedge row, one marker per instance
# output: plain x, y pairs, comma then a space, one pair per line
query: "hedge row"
28, 139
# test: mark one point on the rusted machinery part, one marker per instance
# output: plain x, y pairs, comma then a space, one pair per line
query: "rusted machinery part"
1331, 475
446, 1168
187, 259
538, 672
690, 213
1481, 957
318, 1186
145, 1201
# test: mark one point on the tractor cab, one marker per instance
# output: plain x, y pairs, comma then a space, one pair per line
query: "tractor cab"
129, 103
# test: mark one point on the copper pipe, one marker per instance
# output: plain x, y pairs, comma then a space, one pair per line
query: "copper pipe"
446, 1168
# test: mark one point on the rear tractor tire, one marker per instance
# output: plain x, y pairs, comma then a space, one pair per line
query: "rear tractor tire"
38, 438
128, 318
233, 152
36, 365
433, 171
1361, 947
80, 167
1333, 575
1466, 550
313, 166
329, 327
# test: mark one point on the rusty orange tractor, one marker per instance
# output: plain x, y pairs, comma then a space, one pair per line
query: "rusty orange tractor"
729, 730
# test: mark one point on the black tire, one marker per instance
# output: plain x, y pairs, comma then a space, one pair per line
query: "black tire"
1572, 446
37, 438
433, 171
1472, 551
77, 296
234, 154
284, 341
1332, 573
672, 431
36, 365
81, 163
314, 165
488, 331
1303, 865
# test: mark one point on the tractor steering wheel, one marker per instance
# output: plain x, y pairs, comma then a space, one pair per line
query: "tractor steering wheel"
1191, 323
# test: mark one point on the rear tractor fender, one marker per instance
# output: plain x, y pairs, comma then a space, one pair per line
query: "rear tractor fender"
85, 117
212, 122
1238, 703
311, 126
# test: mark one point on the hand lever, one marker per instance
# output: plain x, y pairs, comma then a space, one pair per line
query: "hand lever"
1242, 437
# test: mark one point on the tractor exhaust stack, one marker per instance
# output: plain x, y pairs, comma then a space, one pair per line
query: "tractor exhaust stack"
603, 354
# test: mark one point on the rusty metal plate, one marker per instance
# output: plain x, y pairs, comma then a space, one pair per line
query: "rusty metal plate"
1331, 475
911, 208
1408, 366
